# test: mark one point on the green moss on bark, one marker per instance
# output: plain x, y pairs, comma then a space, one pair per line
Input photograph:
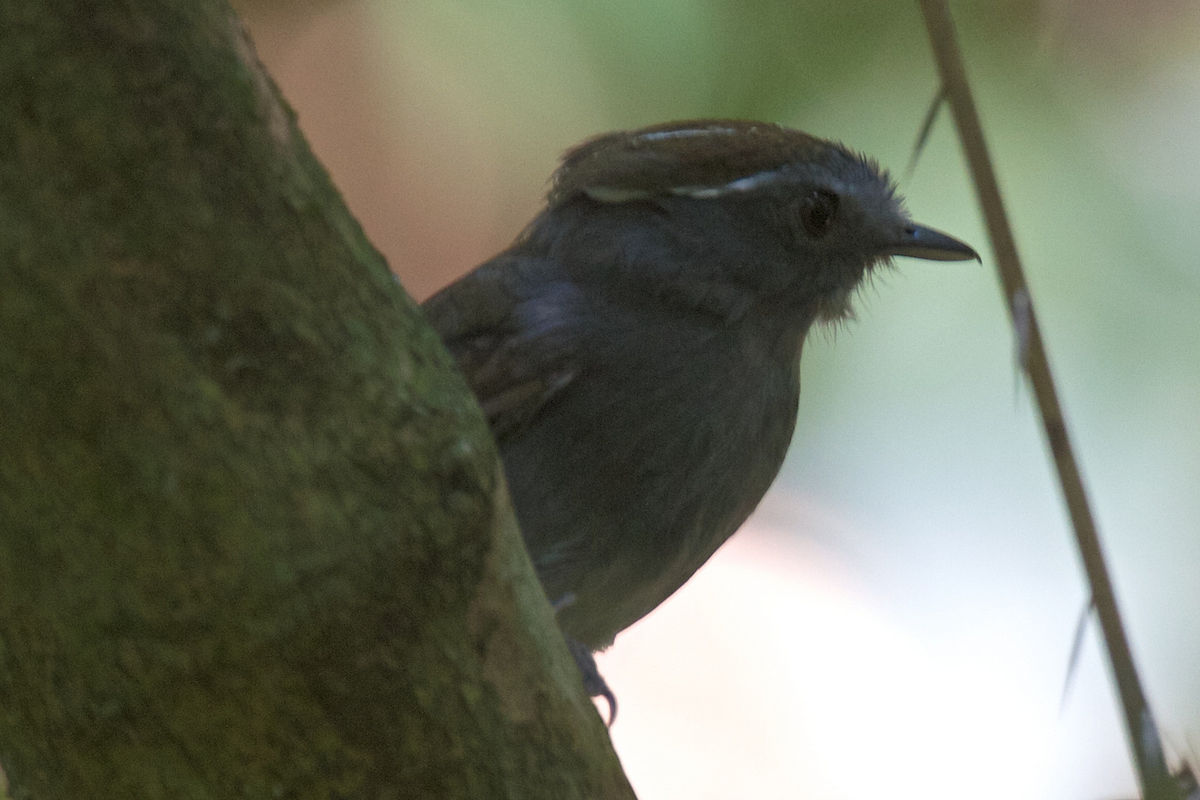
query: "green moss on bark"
253, 539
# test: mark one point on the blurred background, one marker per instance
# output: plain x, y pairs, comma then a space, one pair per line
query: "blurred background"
896, 620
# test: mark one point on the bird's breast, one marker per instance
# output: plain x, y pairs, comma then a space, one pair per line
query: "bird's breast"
637, 473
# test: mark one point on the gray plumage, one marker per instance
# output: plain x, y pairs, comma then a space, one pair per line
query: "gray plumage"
637, 349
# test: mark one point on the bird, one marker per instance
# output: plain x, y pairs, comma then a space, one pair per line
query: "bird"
636, 350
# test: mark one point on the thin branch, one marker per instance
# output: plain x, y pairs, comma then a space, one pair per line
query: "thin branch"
1144, 739
931, 114
1081, 627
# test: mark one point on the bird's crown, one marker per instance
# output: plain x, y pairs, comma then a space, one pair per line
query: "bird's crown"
698, 158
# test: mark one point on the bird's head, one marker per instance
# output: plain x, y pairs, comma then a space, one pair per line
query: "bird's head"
752, 213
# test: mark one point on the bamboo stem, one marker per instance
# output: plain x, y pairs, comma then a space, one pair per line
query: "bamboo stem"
1156, 780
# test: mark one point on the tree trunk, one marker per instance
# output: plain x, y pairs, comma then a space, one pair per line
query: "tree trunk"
254, 539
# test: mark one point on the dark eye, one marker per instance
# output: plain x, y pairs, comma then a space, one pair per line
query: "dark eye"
817, 212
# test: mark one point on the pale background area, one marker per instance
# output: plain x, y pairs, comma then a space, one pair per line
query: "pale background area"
896, 620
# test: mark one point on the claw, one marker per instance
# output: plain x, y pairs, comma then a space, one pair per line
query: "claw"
593, 682
562, 602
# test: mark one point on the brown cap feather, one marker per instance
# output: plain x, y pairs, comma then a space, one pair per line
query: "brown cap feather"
690, 154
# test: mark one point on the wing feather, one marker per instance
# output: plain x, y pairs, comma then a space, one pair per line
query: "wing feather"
513, 346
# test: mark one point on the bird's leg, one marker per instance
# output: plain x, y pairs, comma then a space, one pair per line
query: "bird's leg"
593, 682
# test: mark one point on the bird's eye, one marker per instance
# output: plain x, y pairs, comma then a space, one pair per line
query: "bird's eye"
817, 211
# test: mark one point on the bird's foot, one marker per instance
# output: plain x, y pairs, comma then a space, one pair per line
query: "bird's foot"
593, 682
562, 602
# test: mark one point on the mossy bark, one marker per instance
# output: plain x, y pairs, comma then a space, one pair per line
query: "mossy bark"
254, 540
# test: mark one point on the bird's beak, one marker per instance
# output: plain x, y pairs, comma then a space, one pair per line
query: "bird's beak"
917, 241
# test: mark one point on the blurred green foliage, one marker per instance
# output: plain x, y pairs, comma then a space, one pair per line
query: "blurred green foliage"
912, 419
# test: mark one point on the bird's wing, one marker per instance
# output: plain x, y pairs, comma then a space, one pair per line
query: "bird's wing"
512, 345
